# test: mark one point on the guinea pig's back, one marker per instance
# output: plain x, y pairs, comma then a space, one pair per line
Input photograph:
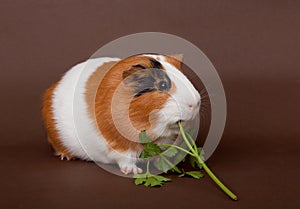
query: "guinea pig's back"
65, 107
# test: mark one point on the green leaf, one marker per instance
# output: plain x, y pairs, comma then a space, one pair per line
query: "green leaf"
190, 131
143, 175
161, 178
181, 175
150, 150
165, 165
151, 181
194, 162
156, 181
175, 169
170, 152
143, 154
201, 151
162, 164
180, 156
139, 181
195, 174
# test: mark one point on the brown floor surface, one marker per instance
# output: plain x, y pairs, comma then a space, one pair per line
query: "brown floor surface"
254, 45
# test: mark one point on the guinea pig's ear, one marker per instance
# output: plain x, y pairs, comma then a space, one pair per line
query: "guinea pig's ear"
176, 60
178, 57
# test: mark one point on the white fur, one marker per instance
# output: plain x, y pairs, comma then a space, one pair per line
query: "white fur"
76, 129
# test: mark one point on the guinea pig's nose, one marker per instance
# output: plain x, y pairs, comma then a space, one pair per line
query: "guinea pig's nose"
194, 105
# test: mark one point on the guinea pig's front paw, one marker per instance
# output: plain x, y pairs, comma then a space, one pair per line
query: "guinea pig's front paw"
127, 169
64, 156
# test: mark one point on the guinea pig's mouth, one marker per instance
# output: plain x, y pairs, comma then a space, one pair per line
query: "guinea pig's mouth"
179, 121
175, 125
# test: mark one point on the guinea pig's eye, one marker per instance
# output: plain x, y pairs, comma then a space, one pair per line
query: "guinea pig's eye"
163, 86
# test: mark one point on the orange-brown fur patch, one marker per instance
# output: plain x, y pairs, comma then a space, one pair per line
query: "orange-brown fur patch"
139, 107
49, 121
93, 84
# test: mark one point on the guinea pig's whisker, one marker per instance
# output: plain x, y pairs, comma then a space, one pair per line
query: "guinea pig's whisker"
204, 96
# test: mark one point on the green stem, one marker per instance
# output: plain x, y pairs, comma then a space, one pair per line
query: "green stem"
216, 180
147, 171
168, 162
208, 171
193, 142
177, 147
185, 138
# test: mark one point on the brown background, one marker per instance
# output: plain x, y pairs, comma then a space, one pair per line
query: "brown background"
254, 46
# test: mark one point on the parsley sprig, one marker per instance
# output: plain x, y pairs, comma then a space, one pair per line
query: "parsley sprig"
196, 160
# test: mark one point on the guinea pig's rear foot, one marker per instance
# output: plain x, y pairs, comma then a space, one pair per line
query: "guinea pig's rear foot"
127, 169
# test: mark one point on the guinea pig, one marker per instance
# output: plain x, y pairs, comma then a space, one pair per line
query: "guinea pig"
115, 99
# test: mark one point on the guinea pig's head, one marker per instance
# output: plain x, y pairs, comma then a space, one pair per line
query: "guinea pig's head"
161, 94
